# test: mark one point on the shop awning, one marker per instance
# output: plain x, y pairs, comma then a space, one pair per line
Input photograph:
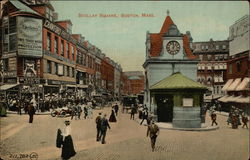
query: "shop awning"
81, 86
70, 85
243, 100
7, 86
233, 86
227, 85
223, 99
244, 85
233, 98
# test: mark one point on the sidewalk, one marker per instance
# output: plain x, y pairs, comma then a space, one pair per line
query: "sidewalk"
162, 125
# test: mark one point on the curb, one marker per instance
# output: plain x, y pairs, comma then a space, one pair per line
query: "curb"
205, 127
10, 112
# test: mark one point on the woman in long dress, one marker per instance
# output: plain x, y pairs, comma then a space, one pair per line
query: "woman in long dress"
68, 150
112, 117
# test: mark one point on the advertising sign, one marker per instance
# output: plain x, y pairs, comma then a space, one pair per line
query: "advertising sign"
29, 35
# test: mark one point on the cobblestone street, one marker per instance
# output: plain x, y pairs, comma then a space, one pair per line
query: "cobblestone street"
125, 141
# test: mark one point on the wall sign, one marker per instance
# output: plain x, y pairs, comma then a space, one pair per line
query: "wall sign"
29, 35
187, 102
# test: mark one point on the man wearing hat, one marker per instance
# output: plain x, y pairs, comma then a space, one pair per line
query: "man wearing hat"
104, 126
31, 111
153, 131
98, 125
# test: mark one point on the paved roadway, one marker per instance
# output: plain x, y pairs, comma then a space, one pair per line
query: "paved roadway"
125, 141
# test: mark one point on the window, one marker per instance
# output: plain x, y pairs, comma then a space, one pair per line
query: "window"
12, 25
56, 45
238, 66
72, 52
5, 64
206, 47
69, 29
202, 47
73, 72
62, 47
68, 71
49, 14
56, 68
83, 59
216, 57
48, 41
217, 47
225, 56
224, 47
48, 66
230, 68
12, 42
67, 50
209, 57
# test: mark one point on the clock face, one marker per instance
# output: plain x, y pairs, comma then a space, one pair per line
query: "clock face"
173, 47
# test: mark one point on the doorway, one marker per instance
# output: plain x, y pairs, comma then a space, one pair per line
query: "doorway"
164, 107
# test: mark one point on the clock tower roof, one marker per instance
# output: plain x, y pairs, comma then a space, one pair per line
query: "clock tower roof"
167, 23
156, 40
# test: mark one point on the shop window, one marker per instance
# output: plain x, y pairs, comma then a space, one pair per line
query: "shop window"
238, 66
48, 41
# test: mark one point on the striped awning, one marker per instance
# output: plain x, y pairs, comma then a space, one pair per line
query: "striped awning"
234, 85
227, 85
244, 85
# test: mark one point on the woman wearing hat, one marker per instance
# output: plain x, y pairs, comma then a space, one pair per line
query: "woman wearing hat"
68, 150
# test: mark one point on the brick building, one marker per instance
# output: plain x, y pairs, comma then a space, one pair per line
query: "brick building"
133, 82
211, 70
40, 55
237, 86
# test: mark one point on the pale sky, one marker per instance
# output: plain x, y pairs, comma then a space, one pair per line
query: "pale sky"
123, 39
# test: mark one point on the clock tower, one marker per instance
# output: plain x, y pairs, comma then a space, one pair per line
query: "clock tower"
167, 52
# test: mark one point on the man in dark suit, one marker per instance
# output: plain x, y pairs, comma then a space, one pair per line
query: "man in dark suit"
98, 125
153, 132
31, 111
104, 126
116, 109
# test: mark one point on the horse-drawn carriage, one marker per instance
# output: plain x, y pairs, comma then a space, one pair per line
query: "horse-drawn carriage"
127, 102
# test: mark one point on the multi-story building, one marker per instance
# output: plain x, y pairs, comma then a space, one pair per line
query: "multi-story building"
107, 75
211, 70
237, 86
133, 82
39, 54
117, 80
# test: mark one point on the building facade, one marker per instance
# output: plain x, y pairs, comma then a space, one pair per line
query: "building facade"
133, 82
211, 70
237, 86
40, 54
